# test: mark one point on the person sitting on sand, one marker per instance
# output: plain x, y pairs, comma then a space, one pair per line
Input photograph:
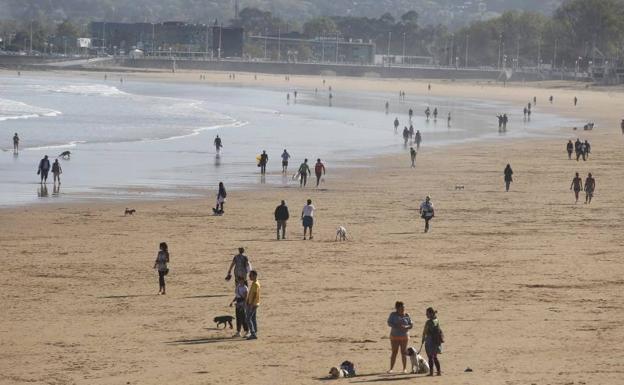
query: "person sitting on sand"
590, 186
433, 338
304, 171
307, 217
570, 149
400, 323
577, 186
508, 176
427, 212
44, 168
56, 171
240, 297
162, 259
413, 156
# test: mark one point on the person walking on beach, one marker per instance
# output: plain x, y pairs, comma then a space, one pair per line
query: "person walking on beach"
304, 171
56, 171
281, 217
307, 216
387, 107
575, 101
551, 99
413, 156
221, 195
448, 120
578, 149
16, 143
240, 298
427, 212
400, 323
427, 113
252, 303
577, 186
432, 338
435, 114
570, 149
218, 144
396, 124
590, 186
241, 266
319, 171
411, 132
162, 259
508, 179
405, 135
264, 158
587, 150
410, 113
285, 157
44, 168
418, 139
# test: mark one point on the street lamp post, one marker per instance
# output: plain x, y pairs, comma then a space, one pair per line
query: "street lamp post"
403, 60
388, 50
265, 44
279, 43
500, 42
336, 47
466, 59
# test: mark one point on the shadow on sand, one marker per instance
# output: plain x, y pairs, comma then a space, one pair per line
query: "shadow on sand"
206, 340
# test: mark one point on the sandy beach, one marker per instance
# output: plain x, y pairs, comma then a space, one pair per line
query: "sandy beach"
528, 285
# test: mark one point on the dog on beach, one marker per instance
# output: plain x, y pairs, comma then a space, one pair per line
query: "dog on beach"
225, 320
459, 187
341, 233
419, 364
337, 373
65, 154
129, 211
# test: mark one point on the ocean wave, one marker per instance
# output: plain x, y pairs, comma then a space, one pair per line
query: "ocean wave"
13, 110
56, 146
199, 130
89, 90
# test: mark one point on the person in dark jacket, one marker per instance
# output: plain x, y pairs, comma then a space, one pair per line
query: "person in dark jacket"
508, 179
570, 148
281, 216
44, 168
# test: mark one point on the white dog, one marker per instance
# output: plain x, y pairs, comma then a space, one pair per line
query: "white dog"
419, 364
341, 233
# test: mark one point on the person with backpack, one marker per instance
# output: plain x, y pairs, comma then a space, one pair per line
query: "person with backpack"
433, 338
162, 259
319, 171
427, 212
281, 217
400, 323
508, 172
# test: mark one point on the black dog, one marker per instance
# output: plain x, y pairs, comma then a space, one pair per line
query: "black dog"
65, 154
129, 211
224, 319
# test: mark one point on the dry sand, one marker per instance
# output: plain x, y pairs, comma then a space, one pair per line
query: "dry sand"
529, 286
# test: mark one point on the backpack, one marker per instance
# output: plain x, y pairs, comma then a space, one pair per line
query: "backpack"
349, 368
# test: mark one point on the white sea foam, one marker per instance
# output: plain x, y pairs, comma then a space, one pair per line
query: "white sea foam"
57, 146
89, 90
197, 131
12, 110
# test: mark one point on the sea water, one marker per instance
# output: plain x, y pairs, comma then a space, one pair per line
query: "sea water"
150, 139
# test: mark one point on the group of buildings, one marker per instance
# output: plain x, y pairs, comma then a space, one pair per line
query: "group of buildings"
216, 41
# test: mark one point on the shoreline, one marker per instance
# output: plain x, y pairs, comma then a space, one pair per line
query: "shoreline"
520, 279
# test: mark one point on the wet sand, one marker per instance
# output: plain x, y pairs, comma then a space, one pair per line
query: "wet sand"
528, 285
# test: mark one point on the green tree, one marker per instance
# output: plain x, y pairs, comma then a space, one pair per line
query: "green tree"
320, 26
